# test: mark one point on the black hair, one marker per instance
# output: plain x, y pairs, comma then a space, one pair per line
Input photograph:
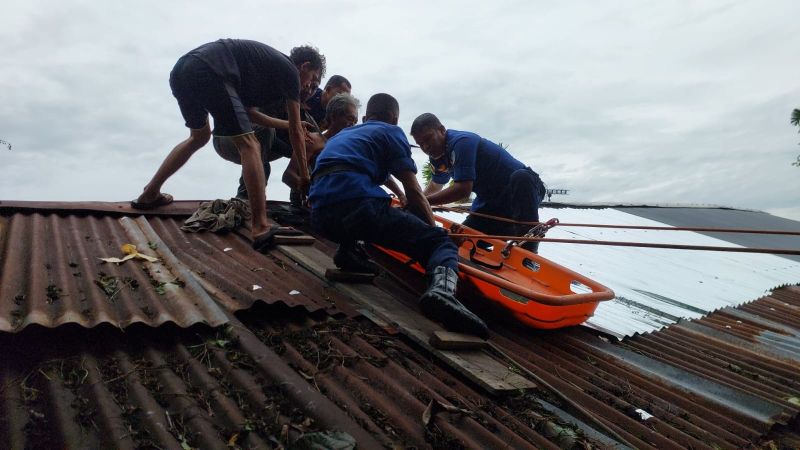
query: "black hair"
382, 107
308, 54
424, 122
337, 80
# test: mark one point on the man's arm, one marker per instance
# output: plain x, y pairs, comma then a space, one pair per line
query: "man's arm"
401, 196
259, 118
297, 138
453, 193
417, 203
432, 188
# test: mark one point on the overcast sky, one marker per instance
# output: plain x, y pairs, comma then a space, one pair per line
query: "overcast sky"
639, 101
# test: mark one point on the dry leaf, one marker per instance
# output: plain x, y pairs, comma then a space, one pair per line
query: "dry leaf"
435, 407
130, 252
117, 260
232, 440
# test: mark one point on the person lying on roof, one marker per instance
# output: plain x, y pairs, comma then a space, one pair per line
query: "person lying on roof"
230, 79
349, 205
504, 187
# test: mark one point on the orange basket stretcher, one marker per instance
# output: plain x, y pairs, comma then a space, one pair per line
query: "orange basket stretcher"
538, 292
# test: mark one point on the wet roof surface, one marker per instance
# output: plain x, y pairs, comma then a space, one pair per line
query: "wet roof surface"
290, 364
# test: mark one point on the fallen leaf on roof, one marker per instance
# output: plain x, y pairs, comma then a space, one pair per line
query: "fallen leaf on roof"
435, 407
130, 252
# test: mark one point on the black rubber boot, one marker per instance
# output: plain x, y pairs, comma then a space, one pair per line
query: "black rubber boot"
354, 259
438, 303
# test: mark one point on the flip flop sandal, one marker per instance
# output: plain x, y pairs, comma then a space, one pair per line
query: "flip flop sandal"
162, 200
266, 241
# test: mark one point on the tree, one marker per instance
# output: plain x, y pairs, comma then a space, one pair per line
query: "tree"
795, 120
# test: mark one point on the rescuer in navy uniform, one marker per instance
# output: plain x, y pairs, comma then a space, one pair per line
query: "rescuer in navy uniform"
504, 187
349, 205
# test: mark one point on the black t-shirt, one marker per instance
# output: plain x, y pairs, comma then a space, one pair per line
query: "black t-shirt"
260, 74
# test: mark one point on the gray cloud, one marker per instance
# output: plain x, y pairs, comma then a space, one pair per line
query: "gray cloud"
631, 101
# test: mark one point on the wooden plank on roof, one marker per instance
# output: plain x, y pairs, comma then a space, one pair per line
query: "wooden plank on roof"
476, 365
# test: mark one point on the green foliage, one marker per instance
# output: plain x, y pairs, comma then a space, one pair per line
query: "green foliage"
427, 173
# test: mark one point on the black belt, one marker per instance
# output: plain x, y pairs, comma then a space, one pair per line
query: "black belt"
343, 167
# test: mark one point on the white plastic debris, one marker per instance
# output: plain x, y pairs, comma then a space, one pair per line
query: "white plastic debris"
294, 292
644, 414
227, 249
738, 321
727, 326
256, 287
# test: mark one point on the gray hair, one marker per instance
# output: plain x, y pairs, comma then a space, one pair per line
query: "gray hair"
339, 104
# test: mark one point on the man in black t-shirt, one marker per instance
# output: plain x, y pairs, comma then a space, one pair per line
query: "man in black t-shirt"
230, 79
274, 143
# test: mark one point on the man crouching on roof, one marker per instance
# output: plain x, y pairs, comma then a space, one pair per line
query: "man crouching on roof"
505, 187
349, 205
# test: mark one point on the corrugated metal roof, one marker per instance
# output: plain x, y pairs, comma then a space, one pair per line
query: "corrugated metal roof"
656, 287
160, 388
51, 274
691, 406
705, 385
208, 389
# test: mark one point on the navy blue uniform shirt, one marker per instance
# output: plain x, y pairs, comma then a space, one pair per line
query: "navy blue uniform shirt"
375, 148
315, 109
486, 164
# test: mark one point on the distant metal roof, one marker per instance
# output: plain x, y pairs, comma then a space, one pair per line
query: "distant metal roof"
729, 218
603, 205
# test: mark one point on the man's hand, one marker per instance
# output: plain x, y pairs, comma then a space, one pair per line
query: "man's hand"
402, 199
304, 184
457, 228
417, 203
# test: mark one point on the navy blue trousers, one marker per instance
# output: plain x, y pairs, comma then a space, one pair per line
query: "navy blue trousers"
519, 201
374, 221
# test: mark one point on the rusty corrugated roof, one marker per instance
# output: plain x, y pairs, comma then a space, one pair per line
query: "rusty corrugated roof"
50, 272
210, 389
728, 380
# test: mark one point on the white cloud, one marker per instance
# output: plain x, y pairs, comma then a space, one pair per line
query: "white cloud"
616, 101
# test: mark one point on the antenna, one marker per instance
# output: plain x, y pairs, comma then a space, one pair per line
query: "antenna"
551, 192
